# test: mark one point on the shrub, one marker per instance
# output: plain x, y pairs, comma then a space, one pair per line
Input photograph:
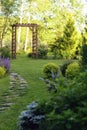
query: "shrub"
84, 54
64, 110
64, 67
5, 52
2, 72
30, 118
5, 62
50, 68
29, 54
42, 51
72, 70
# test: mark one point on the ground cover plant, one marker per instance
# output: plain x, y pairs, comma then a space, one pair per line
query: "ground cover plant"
30, 70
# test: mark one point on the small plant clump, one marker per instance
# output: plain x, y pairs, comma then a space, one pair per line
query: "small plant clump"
50, 68
2, 72
30, 118
5, 62
42, 51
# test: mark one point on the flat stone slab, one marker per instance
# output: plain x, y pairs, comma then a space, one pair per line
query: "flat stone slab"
17, 88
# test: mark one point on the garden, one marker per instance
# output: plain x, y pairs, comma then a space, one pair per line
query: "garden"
43, 70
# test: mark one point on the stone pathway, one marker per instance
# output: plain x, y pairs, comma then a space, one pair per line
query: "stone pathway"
17, 88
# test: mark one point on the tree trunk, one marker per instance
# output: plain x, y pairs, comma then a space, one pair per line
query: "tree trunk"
27, 36
19, 31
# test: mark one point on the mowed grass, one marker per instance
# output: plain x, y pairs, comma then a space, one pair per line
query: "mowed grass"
30, 70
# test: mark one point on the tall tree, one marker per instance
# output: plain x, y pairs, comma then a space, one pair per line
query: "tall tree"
6, 11
70, 39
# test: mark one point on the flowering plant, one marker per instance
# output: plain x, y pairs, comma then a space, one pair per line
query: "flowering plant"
5, 62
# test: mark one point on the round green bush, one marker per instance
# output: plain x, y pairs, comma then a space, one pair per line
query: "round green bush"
72, 70
50, 68
2, 72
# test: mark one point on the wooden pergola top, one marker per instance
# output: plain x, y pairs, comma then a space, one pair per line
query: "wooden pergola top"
24, 25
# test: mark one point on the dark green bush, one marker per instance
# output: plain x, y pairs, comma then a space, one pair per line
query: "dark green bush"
5, 52
64, 110
31, 118
68, 107
72, 70
42, 51
29, 54
64, 66
84, 55
50, 68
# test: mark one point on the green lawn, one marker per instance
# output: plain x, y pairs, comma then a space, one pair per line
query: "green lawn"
30, 70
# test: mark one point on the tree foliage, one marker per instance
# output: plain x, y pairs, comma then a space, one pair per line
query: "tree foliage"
51, 17
66, 45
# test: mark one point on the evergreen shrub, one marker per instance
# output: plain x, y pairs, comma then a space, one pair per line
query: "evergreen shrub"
72, 70
64, 110
64, 67
42, 51
84, 55
31, 118
50, 68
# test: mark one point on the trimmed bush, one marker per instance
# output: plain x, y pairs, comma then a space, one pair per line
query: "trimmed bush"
50, 68
2, 72
72, 70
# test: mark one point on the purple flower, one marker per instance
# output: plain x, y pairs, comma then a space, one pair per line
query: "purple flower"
5, 62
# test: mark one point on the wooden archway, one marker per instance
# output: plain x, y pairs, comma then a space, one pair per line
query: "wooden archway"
34, 28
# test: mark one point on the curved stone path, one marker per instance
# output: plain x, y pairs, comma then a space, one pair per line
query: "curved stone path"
17, 88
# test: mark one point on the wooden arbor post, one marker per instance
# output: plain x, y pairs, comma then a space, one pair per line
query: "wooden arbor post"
34, 28
34, 41
13, 41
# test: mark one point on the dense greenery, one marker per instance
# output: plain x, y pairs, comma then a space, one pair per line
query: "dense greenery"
65, 46
65, 109
52, 20
84, 55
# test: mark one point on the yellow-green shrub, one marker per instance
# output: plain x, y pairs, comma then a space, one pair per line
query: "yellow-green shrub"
2, 72
72, 70
49, 68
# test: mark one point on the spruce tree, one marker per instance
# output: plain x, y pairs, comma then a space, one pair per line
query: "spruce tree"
70, 39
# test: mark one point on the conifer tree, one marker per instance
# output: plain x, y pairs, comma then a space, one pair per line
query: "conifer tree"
70, 39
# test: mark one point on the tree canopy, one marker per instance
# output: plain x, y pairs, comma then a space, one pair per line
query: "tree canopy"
50, 15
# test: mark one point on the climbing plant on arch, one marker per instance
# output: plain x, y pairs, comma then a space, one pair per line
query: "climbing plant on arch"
34, 28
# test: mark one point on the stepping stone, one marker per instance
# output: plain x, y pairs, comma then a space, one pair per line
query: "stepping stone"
17, 88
